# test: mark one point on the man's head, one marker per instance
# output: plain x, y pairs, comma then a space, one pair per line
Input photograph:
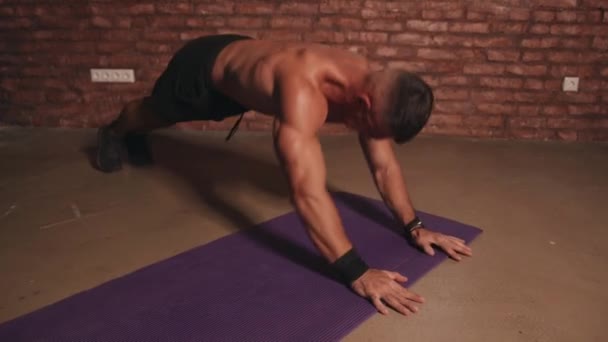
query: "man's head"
395, 104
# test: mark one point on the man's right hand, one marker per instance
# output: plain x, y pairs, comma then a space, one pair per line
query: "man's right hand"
382, 287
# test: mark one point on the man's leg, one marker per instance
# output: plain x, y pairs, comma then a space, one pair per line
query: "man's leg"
136, 119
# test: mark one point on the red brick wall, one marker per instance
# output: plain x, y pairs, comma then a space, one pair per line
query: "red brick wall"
496, 65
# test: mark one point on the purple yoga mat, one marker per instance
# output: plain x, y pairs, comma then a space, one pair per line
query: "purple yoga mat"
266, 283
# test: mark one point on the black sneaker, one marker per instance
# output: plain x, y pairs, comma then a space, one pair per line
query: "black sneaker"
108, 150
137, 148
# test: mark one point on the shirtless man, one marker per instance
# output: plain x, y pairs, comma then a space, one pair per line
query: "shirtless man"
303, 86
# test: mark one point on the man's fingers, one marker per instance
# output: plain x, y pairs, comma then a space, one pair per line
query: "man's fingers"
394, 303
456, 239
398, 277
379, 305
452, 253
414, 297
466, 250
428, 249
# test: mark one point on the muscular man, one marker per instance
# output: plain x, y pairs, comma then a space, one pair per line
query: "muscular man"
303, 86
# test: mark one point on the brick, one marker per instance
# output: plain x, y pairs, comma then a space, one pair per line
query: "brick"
255, 8
215, 8
469, 27
291, 22
526, 70
102, 22
367, 37
579, 98
528, 110
167, 22
553, 85
383, 25
593, 135
491, 95
240, 22
574, 30
505, 28
533, 56
584, 109
539, 29
206, 22
600, 43
476, 15
174, 8
567, 135
451, 94
519, 14
575, 57
532, 133
386, 51
534, 84
492, 41
529, 122
543, 16
160, 35
340, 23
577, 123
148, 47
484, 120
140, 9
324, 37
555, 110
411, 39
554, 3
113, 47
433, 14
575, 43
570, 70
16, 23
484, 69
446, 130
501, 82
282, 35
542, 43
566, 16
445, 119
454, 80
436, 54
443, 106
503, 55
451, 40
300, 8
349, 7
426, 25
496, 108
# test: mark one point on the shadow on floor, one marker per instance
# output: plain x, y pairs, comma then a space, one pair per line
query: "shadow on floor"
207, 168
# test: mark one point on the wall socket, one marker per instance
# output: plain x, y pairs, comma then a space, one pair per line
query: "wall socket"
570, 84
113, 75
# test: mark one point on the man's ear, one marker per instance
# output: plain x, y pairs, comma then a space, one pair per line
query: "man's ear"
365, 101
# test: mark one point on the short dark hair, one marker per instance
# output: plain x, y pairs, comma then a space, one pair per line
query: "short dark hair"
408, 106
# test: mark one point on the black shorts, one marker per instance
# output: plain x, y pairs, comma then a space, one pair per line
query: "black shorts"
185, 91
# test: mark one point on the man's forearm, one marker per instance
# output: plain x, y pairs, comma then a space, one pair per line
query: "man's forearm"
391, 186
323, 223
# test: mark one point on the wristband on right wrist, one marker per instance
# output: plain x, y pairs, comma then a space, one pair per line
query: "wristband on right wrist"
414, 224
350, 266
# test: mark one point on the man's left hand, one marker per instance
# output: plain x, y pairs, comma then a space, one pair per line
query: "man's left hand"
453, 246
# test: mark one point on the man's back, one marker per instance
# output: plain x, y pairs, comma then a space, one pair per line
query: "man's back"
249, 71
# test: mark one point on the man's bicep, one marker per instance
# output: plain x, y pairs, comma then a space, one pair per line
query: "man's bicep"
301, 158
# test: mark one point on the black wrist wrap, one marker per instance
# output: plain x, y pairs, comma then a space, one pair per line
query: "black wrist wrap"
350, 266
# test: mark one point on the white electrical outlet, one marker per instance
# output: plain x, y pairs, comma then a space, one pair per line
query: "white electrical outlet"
113, 75
570, 84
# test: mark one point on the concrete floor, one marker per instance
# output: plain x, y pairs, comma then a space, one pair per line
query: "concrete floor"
539, 272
